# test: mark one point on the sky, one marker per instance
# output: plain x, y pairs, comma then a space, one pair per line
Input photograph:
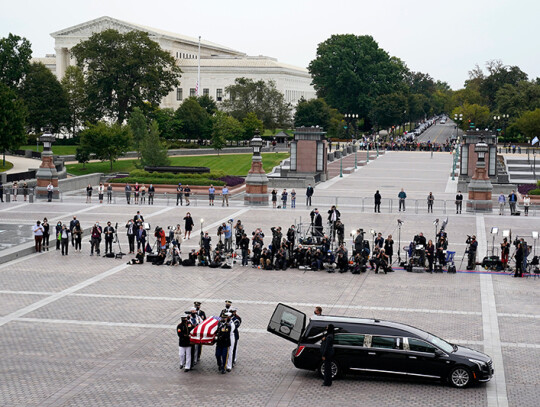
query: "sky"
443, 39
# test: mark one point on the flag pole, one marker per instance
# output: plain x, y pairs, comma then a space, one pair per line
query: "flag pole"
199, 68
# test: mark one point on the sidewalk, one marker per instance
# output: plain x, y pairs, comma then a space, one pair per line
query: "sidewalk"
21, 164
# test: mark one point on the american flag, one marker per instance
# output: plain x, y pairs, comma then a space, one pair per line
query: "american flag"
204, 332
197, 88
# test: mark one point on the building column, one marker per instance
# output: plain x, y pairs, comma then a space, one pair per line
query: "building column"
62, 62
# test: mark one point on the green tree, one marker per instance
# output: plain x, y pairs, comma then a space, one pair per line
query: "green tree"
82, 155
389, 110
499, 75
225, 128
208, 104
516, 99
107, 142
124, 71
154, 151
73, 84
314, 112
529, 124
15, 54
196, 122
261, 98
12, 120
250, 123
351, 71
139, 129
477, 114
169, 126
45, 98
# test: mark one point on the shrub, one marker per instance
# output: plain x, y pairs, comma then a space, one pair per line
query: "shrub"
168, 181
231, 180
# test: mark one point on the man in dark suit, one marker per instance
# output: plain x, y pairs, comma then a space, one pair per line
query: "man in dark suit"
327, 354
141, 238
317, 224
377, 202
309, 194
108, 231
459, 202
131, 229
72, 225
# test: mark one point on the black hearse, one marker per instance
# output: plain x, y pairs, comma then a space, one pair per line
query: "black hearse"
379, 347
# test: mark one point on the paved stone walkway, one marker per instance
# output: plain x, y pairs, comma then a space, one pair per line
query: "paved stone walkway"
81, 330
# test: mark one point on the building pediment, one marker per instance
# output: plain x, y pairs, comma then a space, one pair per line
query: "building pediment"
94, 26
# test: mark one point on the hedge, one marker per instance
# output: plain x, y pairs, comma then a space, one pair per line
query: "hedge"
169, 175
168, 181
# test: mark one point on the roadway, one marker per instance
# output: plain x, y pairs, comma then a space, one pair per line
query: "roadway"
439, 133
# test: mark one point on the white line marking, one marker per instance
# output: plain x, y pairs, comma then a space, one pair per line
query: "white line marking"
32, 307
496, 389
14, 207
481, 237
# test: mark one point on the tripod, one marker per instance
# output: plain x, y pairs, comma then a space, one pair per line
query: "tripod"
120, 253
400, 223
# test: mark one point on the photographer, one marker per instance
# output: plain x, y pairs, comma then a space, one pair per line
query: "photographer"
340, 231
359, 241
473, 246
276, 238
139, 258
227, 232
238, 232
159, 234
316, 222
389, 248
109, 236
342, 262
141, 237
333, 217
95, 238
177, 236
205, 241
505, 252
244, 246
442, 245
131, 228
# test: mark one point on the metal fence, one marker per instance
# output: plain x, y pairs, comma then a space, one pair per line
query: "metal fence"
19, 176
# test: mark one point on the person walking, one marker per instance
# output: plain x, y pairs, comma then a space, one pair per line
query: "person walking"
38, 231
402, 196
223, 341
89, 193
127, 191
188, 225
430, 200
211, 195
309, 194
284, 195
327, 354
459, 202
512, 201
377, 198
293, 198
502, 202
526, 204
183, 330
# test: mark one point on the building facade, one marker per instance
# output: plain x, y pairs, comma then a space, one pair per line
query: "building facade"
219, 65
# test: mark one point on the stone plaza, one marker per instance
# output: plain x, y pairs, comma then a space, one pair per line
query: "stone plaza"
81, 330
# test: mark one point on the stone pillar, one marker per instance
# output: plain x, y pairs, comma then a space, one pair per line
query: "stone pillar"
256, 180
47, 170
480, 187
62, 62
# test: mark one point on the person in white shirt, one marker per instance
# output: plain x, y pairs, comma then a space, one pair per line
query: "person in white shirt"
526, 204
50, 189
38, 230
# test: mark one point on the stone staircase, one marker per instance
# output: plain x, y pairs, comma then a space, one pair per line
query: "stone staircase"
522, 170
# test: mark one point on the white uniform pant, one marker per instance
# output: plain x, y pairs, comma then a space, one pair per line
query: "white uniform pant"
230, 354
185, 356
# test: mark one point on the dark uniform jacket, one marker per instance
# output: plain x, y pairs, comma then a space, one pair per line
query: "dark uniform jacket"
223, 335
183, 329
327, 346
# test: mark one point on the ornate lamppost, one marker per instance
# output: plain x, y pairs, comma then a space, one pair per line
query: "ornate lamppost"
46, 172
256, 180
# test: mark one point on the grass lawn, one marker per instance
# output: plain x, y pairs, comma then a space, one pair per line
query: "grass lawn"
8, 166
231, 164
58, 150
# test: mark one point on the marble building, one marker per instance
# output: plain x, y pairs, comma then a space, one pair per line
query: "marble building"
220, 65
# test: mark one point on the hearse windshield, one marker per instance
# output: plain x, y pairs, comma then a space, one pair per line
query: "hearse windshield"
448, 348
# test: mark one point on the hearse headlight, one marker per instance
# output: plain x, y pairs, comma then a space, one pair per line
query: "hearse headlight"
480, 363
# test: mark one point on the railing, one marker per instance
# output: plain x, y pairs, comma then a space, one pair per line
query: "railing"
19, 176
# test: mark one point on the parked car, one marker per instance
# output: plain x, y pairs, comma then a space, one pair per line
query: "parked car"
379, 347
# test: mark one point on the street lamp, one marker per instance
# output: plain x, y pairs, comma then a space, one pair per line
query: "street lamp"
351, 117
377, 145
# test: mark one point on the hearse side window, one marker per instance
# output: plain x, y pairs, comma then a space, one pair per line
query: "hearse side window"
384, 342
315, 334
349, 339
417, 345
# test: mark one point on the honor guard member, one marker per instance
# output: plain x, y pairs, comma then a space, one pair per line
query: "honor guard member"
226, 309
230, 357
202, 315
183, 330
223, 341
237, 321
195, 320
